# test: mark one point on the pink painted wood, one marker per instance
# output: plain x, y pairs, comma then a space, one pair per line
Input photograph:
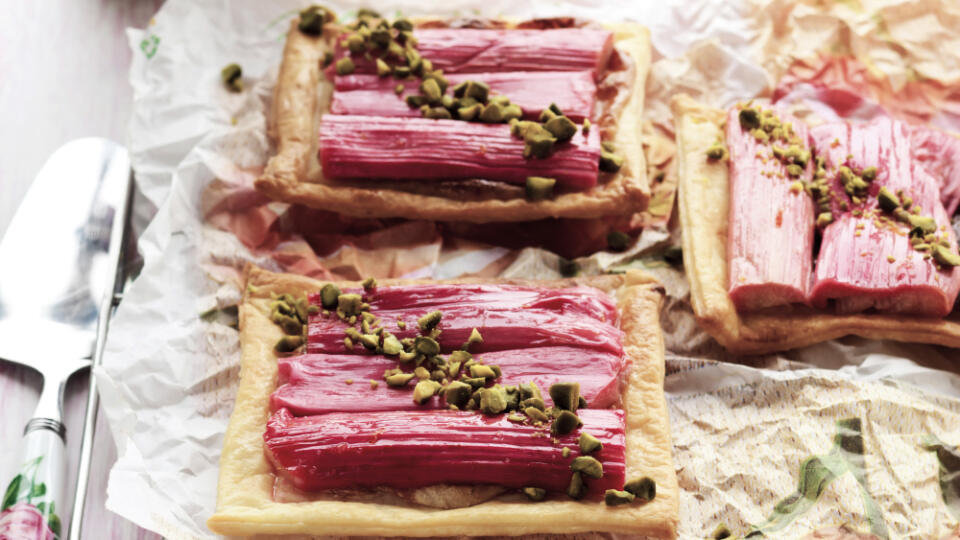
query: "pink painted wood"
64, 70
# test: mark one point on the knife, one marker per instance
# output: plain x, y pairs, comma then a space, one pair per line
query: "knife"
55, 266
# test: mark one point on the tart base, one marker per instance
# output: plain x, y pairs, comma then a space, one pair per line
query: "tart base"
293, 174
704, 205
245, 504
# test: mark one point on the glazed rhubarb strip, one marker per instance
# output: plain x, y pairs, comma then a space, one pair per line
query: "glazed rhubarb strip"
501, 330
370, 95
410, 449
316, 383
853, 268
587, 301
939, 154
468, 50
368, 147
770, 238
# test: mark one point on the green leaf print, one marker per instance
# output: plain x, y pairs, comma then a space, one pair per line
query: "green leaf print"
10, 497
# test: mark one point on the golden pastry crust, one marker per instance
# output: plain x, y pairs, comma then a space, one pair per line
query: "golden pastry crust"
245, 505
294, 175
704, 203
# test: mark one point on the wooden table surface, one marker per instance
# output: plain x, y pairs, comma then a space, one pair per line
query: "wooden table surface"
63, 75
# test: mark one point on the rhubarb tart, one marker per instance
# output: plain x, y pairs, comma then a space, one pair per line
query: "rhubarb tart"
478, 408
459, 120
795, 234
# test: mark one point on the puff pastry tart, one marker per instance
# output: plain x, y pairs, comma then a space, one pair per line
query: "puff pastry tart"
478, 408
460, 120
795, 235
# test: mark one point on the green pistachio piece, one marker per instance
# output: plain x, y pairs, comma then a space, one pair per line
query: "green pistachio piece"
370, 341
329, 296
421, 373
586, 126
427, 346
749, 118
453, 368
493, 400
429, 321
520, 128
538, 143
437, 113
474, 339
289, 325
449, 102
609, 146
618, 240
380, 37
925, 223
717, 152
513, 397
398, 379
469, 113
492, 113
760, 135
945, 256
431, 90
615, 497
516, 418
587, 465
535, 494
503, 101
556, 110
313, 310
480, 370
610, 162
887, 200
475, 382
350, 304
644, 488
460, 356
424, 390
231, 75
348, 343
457, 393
367, 13
529, 390
302, 310
824, 219
565, 395
565, 452
391, 345
576, 489
589, 444
535, 414
327, 58
535, 402
539, 188
564, 423
513, 112
345, 66
402, 72
384, 70
313, 18
562, 128
869, 174
546, 115
794, 170
355, 44
415, 100
288, 344
404, 25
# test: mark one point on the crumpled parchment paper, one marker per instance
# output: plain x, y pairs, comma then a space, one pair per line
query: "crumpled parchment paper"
846, 439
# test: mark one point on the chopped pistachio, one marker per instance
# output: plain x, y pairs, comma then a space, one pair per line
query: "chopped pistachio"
426, 345
546, 115
562, 128
414, 100
367, 13
474, 339
717, 152
345, 66
610, 162
539, 188
534, 493
348, 343
565, 452
329, 296
480, 370
887, 200
493, 113
581, 403
370, 341
586, 126
449, 102
565, 395
516, 418
431, 90
615, 497
589, 444
945, 256
421, 373
384, 70
403, 25
401, 72
529, 390
355, 43
475, 382
556, 110
374, 384
749, 118
437, 113
535, 414
424, 390
312, 19
405, 356
576, 489
617, 240
289, 325
327, 58
794, 170
513, 112
644, 488
493, 400
392, 345
232, 77
429, 321
824, 219
538, 141
457, 393
288, 344
469, 113
398, 379
565, 422
460, 356
535, 402
587, 465
869, 174
477, 90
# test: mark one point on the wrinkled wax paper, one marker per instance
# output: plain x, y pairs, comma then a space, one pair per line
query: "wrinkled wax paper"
846, 439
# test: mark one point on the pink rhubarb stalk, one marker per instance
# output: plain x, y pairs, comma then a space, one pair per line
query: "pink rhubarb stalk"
587, 301
316, 383
939, 154
469, 50
770, 236
370, 95
410, 449
501, 330
866, 262
369, 147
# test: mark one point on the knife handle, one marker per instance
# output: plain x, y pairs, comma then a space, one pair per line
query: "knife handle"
28, 509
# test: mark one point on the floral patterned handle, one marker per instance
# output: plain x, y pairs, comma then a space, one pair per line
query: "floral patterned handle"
28, 510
